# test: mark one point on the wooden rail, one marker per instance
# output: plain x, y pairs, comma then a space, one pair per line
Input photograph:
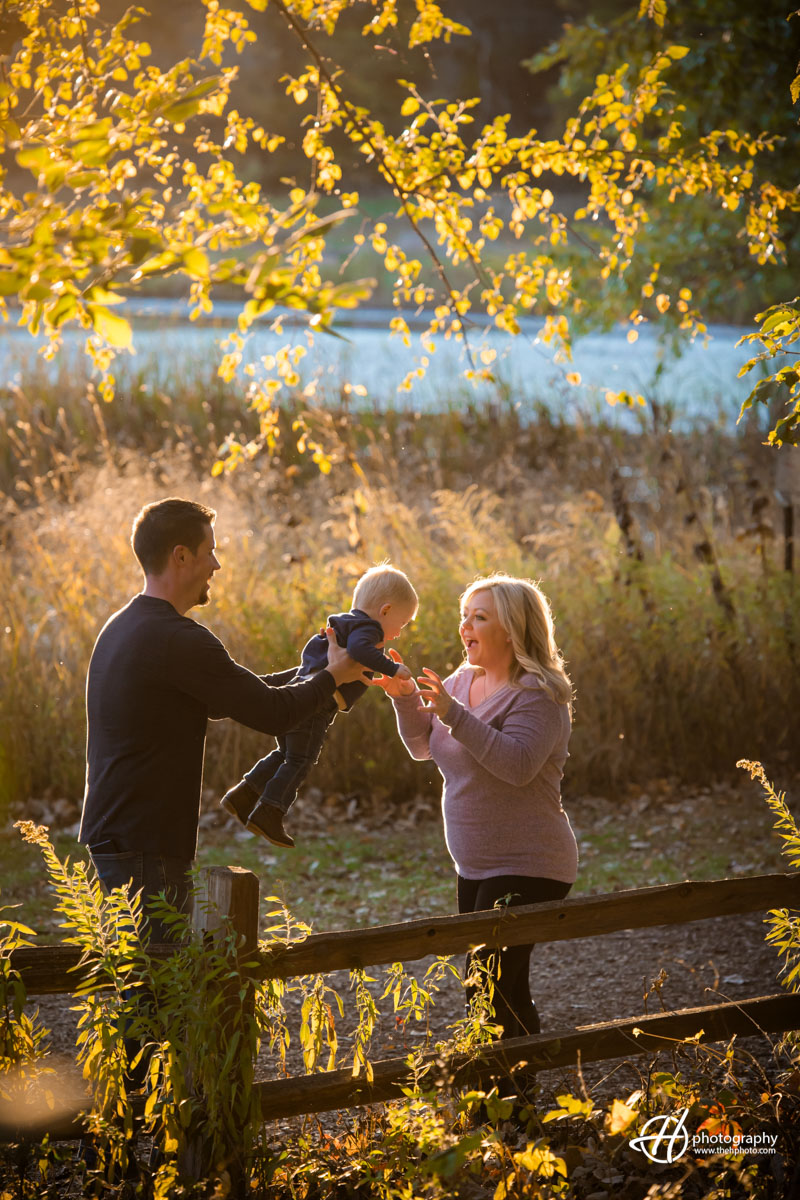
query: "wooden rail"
233, 900
523, 1057
516, 1059
554, 921
52, 969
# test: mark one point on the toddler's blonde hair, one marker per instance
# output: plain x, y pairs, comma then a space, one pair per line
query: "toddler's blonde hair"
384, 584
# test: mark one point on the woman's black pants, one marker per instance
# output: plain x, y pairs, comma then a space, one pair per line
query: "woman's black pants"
508, 967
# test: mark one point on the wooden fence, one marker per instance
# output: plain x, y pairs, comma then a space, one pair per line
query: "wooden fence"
231, 898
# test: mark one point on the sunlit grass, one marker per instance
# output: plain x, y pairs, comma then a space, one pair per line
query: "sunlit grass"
671, 682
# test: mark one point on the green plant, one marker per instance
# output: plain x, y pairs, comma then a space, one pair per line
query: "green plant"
21, 1040
784, 925
182, 1020
192, 1023
28, 1081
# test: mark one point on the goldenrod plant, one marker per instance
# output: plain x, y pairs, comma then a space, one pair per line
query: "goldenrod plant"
784, 924
173, 1016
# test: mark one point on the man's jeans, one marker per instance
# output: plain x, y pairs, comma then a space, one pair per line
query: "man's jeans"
150, 874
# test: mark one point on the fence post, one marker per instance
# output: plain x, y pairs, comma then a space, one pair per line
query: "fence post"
227, 898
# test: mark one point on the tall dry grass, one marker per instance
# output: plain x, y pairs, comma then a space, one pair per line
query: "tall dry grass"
679, 627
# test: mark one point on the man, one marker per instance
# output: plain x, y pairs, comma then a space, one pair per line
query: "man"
155, 678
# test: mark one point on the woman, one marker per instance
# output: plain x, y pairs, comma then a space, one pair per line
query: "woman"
497, 729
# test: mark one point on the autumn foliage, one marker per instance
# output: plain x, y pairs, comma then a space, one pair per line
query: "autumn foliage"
119, 173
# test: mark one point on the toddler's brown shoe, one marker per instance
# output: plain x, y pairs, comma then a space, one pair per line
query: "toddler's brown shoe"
240, 801
267, 820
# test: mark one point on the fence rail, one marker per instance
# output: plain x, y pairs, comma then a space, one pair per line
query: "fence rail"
520, 1058
554, 921
232, 898
48, 970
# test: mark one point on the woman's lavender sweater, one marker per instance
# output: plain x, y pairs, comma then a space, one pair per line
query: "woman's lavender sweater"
502, 763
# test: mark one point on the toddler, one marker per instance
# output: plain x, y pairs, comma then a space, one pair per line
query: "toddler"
383, 604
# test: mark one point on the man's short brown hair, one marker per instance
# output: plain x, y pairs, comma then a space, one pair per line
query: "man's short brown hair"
161, 526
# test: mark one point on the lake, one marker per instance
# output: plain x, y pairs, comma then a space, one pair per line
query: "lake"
697, 387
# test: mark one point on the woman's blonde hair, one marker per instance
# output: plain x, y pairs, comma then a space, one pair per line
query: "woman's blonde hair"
524, 612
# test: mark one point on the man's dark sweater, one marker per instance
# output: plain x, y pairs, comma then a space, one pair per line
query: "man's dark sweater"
155, 678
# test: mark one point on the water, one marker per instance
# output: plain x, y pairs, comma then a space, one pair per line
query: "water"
697, 387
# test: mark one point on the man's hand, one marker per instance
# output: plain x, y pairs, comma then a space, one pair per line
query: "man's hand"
341, 666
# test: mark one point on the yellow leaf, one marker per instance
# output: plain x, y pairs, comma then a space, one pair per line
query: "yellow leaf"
196, 262
574, 377
620, 1117
409, 106
662, 302
113, 329
633, 335
300, 95
101, 295
502, 1190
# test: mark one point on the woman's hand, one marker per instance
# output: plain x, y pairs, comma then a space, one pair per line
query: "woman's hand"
433, 692
395, 685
